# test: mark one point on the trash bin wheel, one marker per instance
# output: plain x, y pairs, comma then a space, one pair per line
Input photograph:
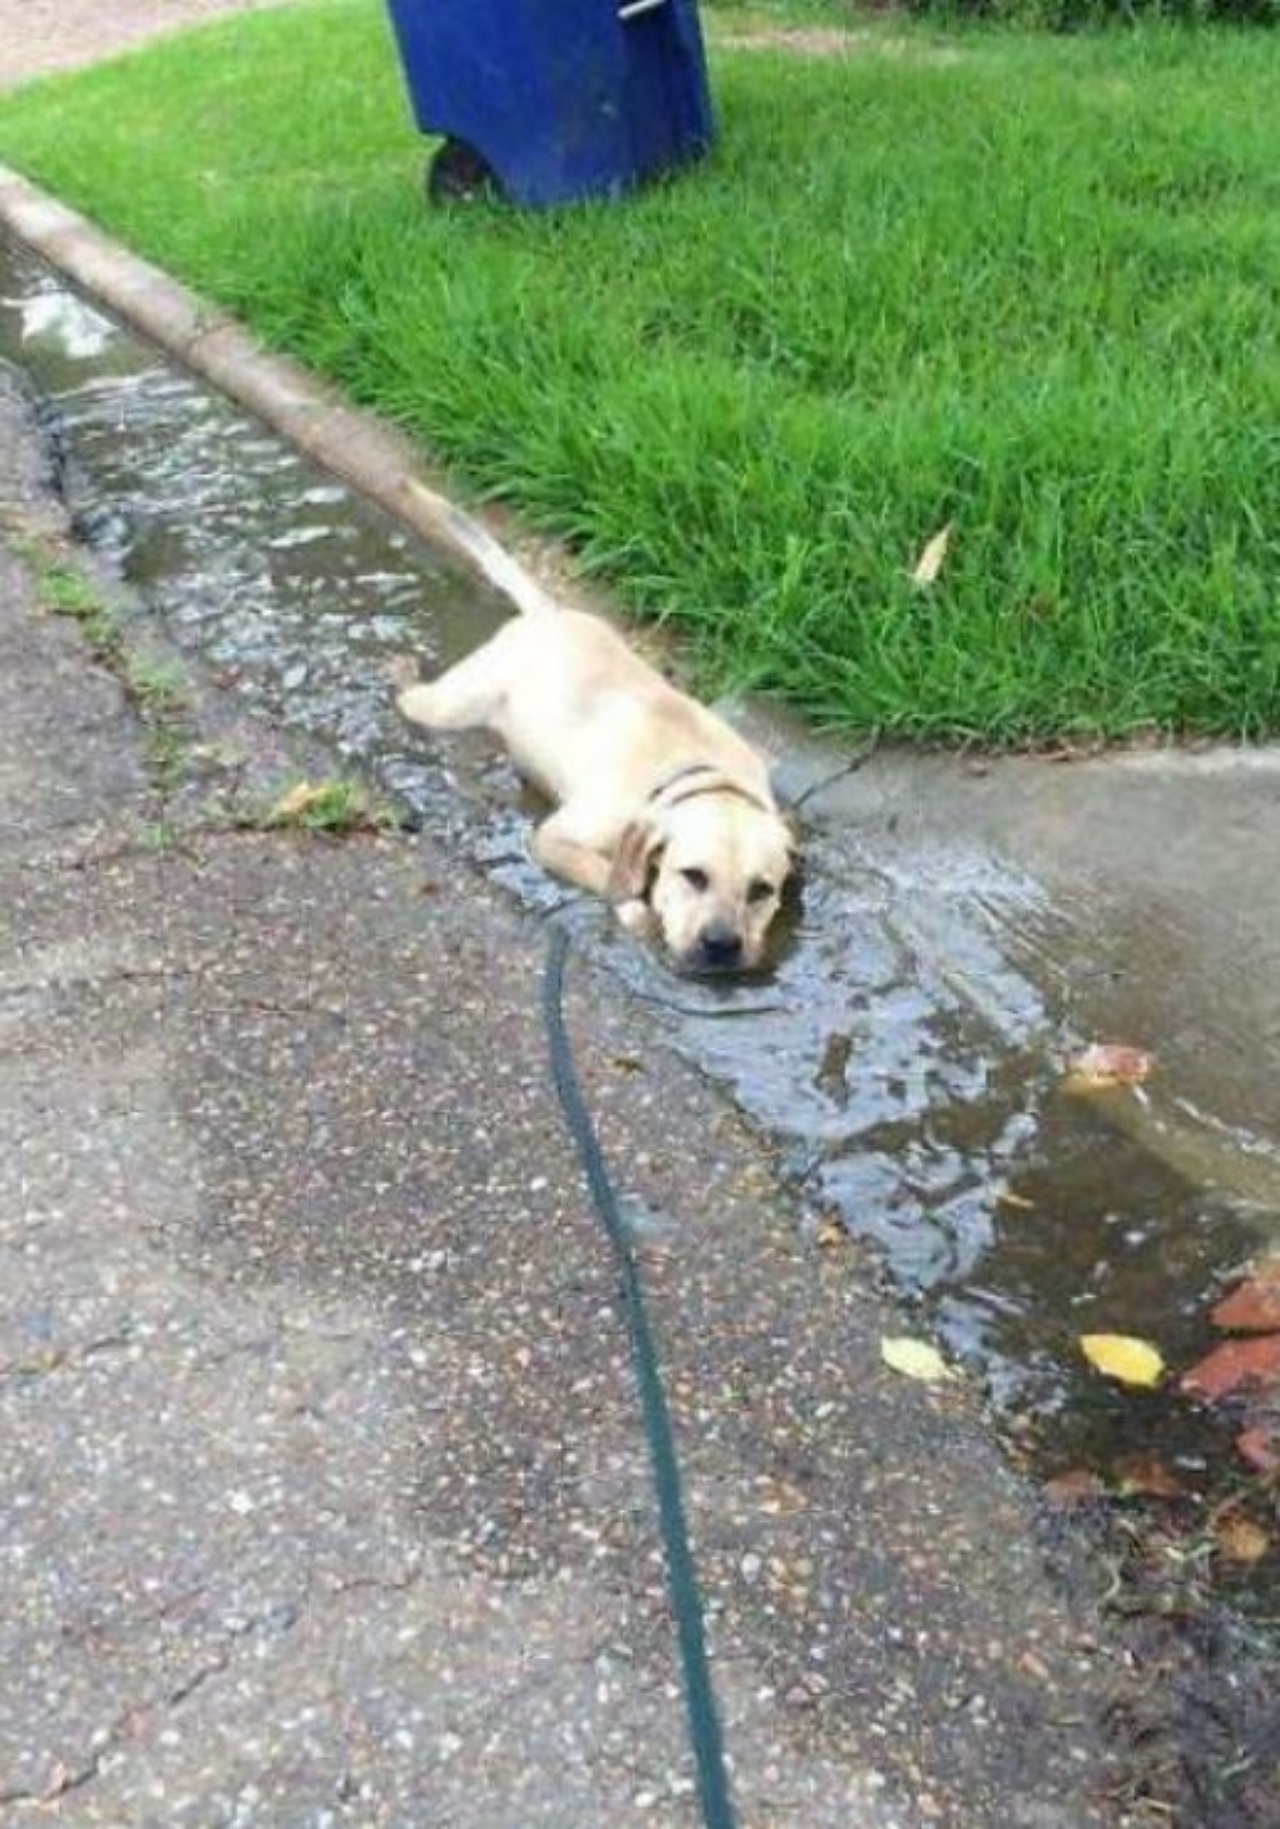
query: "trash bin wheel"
457, 174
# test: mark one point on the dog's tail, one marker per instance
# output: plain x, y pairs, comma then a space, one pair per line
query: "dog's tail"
461, 533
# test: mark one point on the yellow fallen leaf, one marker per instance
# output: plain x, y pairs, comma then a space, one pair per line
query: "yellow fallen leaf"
1005, 1197
929, 565
1240, 1540
1123, 1357
297, 801
915, 1359
331, 806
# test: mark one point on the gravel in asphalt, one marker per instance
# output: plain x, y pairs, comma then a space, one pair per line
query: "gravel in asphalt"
325, 1498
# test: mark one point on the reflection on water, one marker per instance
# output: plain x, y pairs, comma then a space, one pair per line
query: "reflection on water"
907, 1051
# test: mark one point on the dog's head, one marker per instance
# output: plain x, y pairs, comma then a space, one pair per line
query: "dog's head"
711, 869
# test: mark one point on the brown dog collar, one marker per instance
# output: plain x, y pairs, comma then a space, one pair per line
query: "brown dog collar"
694, 778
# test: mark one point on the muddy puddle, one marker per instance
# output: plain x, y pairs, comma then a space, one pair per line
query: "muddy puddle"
907, 1053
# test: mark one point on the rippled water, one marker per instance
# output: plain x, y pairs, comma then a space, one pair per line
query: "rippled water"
907, 1052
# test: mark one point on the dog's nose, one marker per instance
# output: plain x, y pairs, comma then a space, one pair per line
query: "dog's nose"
720, 947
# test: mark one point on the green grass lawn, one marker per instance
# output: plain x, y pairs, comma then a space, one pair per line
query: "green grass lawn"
1027, 286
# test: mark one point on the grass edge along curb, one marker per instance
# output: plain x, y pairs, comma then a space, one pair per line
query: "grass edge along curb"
351, 443
1057, 376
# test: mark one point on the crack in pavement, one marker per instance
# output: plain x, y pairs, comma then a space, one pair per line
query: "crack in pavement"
86, 1771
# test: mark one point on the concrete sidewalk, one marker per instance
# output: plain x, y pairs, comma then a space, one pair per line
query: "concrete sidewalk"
41, 36
325, 1495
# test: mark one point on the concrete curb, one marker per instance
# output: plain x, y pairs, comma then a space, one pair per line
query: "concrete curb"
353, 445
356, 446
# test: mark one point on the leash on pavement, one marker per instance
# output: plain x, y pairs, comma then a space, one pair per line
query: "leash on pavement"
682, 1578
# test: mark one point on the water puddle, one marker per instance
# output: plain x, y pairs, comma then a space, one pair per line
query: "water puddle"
907, 1053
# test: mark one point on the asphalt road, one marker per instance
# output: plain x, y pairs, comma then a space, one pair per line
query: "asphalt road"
325, 1499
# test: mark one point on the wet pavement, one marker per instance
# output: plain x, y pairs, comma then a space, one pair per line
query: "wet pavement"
325, 1499
965, 927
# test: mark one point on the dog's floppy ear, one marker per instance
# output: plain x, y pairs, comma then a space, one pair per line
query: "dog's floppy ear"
634, 860
793, 886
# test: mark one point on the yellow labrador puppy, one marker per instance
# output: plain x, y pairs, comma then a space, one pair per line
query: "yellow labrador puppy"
660, 806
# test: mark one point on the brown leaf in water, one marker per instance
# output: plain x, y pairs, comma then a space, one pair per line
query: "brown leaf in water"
1259, 1449
1075, 1487
1233, 1365
1252, 1307
1108, 1064
1144, 1476
1240, 1539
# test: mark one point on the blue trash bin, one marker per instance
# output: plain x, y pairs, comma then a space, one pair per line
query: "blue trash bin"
555, 100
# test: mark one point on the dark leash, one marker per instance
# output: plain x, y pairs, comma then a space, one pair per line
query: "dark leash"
682, 1578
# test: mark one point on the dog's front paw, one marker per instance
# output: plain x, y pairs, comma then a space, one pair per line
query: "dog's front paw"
635, 916
417, 704
402, 672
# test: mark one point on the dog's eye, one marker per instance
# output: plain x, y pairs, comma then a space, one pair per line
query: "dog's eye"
760, 891
697, 880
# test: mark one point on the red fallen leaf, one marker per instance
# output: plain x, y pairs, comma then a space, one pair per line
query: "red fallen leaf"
1252, 1307
1143, 1476
1076, 1487
1259, 1448
1233, 1364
